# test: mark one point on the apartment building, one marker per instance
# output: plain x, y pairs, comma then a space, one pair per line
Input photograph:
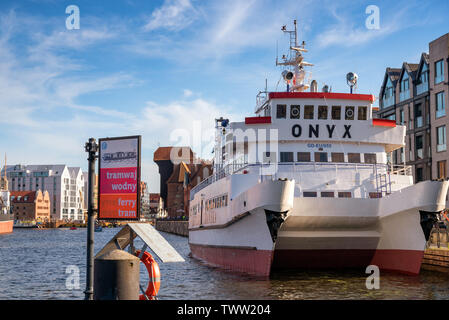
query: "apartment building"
65, 186
30, 205
416, 95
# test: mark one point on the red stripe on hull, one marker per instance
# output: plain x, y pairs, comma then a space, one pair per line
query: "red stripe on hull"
404, 261
255, 262
6, 226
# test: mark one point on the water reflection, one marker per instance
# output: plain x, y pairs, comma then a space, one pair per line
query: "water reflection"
33, 265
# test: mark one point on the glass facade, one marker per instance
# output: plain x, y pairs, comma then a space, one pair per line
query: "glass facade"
405, 88
440, 107
439, 71
441, 138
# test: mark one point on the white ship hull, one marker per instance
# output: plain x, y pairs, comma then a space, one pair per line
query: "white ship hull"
319, 232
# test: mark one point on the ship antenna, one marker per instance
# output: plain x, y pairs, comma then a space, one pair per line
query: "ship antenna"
295, 62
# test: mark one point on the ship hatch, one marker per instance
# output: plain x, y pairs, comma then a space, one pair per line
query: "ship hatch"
274, 222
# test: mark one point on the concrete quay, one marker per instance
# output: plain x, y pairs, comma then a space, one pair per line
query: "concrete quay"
180, 228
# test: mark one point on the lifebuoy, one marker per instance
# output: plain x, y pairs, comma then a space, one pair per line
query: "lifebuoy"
154, 273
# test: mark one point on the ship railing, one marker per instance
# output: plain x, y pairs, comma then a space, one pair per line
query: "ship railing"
270, 171
400, 170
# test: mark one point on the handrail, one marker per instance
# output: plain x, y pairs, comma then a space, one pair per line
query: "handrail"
239, 167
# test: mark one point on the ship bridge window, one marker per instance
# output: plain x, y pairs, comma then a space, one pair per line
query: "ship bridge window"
309, 194
349, 113
286, 156
344, 194
354, 157
327, 194
322, 112
308, 112
320, 157
294, 112
362, 113
304, 156
338, 157
336, 112
370, 158
281, 111
375, 195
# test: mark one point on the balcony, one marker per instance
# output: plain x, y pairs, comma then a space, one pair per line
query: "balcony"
387, 102
404, 95
422, 87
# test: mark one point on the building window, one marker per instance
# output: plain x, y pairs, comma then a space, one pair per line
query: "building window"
338, 157
404, 88
286, 156
349, 113
401, 117
308, 112
441, 169
354, 157
419, 174
418, 116
423, 85
419, 147
370, 158
322, 112
304, 156
344, 194
362, 113
309, 194
294, 112
336, 112
441, 138
320, 157
281, 111
440, 107
327, 194
439, 71
388, 96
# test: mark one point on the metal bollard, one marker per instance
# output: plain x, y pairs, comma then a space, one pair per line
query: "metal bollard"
116, 276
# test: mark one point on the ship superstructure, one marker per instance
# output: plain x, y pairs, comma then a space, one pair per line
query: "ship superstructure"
306, 182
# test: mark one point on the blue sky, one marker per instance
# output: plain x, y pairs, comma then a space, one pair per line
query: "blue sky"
164, 67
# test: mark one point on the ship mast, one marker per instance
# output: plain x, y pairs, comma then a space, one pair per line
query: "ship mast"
295, 62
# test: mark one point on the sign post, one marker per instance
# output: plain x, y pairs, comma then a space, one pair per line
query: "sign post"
119, 181
91, 148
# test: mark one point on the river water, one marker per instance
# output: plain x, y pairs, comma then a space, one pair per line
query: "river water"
33, 265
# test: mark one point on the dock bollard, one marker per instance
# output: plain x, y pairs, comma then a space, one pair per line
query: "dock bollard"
116, 276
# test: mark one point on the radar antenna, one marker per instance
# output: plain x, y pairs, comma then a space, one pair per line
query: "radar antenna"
295, 63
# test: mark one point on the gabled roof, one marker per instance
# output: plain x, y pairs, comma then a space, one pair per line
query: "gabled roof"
424, 59
163, 153
23, 196
411, 69
393, 74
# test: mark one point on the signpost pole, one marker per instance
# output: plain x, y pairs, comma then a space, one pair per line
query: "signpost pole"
91, 148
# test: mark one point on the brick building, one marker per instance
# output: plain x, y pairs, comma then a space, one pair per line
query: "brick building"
30, 205
416, 95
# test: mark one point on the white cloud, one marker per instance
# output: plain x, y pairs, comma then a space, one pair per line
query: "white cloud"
173, 15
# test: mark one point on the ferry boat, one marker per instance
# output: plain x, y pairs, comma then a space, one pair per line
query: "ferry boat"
307, 183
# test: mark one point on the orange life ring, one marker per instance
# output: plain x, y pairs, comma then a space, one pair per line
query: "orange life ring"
154, 273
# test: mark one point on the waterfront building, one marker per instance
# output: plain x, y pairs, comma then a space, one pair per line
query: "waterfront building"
95, 195
416, 96
64, 184
166, 158
30, 205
